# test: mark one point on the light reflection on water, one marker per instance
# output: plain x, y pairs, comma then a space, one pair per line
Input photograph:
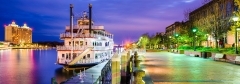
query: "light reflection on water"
28, 66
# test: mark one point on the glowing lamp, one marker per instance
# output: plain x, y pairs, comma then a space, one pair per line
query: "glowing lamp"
194, 30
235, 18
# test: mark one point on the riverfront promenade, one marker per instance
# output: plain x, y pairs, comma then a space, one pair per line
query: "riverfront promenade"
169, 68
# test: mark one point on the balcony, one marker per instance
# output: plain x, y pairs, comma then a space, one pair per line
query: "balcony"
71, 47
75, 35
102, 48
84, 27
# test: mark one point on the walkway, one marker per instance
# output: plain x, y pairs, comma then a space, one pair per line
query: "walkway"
168, 68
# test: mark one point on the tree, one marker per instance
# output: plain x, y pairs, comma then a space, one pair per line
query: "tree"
155, 41
143, 40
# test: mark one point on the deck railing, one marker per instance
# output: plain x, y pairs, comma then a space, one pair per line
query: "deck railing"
82, 61
84, 27
71, 47
75, 35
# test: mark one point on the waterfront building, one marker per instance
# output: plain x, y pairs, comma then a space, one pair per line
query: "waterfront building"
18, 34
214, 19
173, 29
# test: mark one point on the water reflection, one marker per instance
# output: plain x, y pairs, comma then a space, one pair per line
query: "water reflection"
61, 76
27, 66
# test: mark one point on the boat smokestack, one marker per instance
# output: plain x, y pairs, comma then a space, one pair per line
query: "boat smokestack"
71, 27
90, 18
71, 17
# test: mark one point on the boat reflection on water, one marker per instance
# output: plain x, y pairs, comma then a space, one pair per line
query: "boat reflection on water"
61, 75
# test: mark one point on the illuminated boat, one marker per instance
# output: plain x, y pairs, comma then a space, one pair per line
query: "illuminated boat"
84, 44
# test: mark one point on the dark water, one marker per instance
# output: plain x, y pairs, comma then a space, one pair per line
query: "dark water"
28, 66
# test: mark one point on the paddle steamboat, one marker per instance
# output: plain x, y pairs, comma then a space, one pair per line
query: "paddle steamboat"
85, 44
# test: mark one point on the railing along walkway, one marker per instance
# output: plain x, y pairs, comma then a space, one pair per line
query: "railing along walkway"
91, 76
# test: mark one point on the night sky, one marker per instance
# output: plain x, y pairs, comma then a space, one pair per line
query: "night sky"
126, 19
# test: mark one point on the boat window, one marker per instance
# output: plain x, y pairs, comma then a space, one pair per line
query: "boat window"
81, 43
74, 55
84, 57
69, 43
76, 42
86, 43
93, 43
88, 55
67, 56
96, 56
63, 55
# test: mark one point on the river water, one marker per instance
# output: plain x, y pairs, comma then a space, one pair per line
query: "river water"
28, 66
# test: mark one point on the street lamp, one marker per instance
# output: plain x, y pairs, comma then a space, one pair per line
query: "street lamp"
194, 32
176, 35
235, 19
170, 41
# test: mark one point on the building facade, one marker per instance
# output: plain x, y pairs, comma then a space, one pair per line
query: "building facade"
214, 20
173, 29
18, 34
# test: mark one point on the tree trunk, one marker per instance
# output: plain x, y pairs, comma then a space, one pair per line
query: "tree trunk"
216, 43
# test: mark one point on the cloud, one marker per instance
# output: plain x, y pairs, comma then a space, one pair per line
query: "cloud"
188, 1
49, 17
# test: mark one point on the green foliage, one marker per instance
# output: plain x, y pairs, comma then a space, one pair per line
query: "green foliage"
204, 48
185, 47
144, 40
147, 41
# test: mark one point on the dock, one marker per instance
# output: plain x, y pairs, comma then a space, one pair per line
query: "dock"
123, 68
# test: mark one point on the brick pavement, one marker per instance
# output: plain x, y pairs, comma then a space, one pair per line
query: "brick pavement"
168, 68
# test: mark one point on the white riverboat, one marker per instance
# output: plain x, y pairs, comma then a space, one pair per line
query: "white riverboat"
84, 44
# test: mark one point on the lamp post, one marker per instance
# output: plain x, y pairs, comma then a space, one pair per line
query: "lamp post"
207, 40
235, 19
176, 35
170, 41
194, 38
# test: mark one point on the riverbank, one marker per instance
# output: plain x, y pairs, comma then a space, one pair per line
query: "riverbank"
5, 48
32, 47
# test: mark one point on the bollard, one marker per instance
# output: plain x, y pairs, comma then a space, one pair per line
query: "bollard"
135, 53
137, 63
138, 75
136, 60
115, 67
128, 55
136, 56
